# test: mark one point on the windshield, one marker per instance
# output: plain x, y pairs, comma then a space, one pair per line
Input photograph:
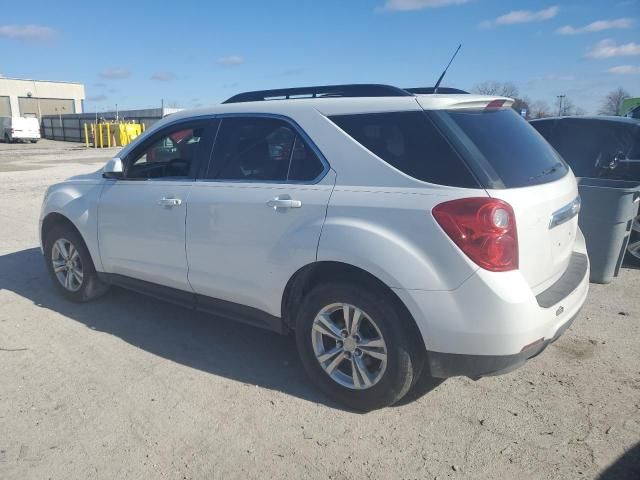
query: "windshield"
501, 142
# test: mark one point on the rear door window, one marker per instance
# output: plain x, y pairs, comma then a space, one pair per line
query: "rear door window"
410, 142
504, 144
259, 149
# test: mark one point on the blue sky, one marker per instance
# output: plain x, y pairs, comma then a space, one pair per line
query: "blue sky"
197, 53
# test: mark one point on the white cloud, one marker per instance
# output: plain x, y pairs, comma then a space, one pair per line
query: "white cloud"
408, 5
115, 73
625, 70
163, 76
608, 48
26, 32
230, 60
597, 26
522, 16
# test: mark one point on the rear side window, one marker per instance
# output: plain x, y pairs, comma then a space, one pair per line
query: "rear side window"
255, 149
410, 142
504, 143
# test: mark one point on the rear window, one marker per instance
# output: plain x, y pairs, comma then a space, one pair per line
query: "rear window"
503, 143
410, 142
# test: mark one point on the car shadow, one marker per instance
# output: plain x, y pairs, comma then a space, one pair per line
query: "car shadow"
625, 467
215, 345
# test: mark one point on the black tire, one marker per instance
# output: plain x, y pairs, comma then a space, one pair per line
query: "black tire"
405, 357
90, 287
34, 141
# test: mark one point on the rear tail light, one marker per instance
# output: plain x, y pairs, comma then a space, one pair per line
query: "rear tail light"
484, 229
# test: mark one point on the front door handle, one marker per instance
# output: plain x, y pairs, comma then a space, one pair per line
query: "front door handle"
284, 201
169, 202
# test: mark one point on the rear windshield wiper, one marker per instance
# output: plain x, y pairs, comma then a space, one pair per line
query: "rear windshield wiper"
546, 172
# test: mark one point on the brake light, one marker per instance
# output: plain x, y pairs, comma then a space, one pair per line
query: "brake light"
484, 229
495, 104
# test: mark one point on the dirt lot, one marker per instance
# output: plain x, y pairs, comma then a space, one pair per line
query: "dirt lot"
129, 387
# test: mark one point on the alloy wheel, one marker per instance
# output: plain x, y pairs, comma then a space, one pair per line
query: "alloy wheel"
349, 346
67, 264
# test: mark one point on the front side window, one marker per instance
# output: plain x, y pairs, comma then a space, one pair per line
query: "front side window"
262, 149
173, 155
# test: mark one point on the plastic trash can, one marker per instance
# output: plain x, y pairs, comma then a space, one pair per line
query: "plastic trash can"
606, 218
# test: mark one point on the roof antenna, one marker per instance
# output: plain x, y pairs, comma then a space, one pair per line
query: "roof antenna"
435, 89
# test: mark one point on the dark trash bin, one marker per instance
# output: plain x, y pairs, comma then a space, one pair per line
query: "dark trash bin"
606, 218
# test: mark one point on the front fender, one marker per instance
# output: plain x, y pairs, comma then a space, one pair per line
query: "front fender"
77, 202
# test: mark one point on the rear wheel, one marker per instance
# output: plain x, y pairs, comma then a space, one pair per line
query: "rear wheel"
356, 347
70, 265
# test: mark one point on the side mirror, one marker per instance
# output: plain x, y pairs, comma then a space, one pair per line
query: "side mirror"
113, 169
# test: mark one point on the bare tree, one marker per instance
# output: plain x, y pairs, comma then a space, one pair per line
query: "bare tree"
566, 108
520, 104
611, 103
492, 87
540, 109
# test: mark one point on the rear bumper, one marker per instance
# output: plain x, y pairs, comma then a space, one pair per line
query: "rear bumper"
493, 323
445, 365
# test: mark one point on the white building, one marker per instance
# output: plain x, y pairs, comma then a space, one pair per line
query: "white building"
20, 97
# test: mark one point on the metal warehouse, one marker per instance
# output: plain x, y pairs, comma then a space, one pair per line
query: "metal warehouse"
26, 98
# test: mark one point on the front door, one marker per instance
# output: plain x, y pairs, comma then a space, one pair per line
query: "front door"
141, 217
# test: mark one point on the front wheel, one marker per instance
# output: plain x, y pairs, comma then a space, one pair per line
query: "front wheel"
70, 266
356, 346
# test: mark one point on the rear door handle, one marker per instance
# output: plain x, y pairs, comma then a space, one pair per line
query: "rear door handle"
284, 202
169, 202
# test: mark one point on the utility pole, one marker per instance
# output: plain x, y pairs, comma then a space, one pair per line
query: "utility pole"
560, 100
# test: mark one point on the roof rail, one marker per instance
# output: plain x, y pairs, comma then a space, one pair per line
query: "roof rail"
430, 90
353, 90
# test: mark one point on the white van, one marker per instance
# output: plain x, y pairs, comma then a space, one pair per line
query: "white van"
19, 128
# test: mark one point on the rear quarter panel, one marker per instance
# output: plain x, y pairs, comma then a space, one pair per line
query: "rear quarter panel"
391, 233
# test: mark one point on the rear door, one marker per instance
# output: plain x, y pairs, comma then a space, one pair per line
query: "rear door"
255, 217
521, 168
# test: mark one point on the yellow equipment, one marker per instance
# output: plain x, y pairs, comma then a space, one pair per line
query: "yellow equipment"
111, 134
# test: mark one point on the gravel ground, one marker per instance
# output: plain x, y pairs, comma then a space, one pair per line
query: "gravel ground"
129, 387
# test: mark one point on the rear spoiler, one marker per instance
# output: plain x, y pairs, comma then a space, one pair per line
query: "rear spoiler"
463, 102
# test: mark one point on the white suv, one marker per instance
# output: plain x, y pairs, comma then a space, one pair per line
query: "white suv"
393, 232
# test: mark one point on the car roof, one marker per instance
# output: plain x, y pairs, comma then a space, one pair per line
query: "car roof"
346, 105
